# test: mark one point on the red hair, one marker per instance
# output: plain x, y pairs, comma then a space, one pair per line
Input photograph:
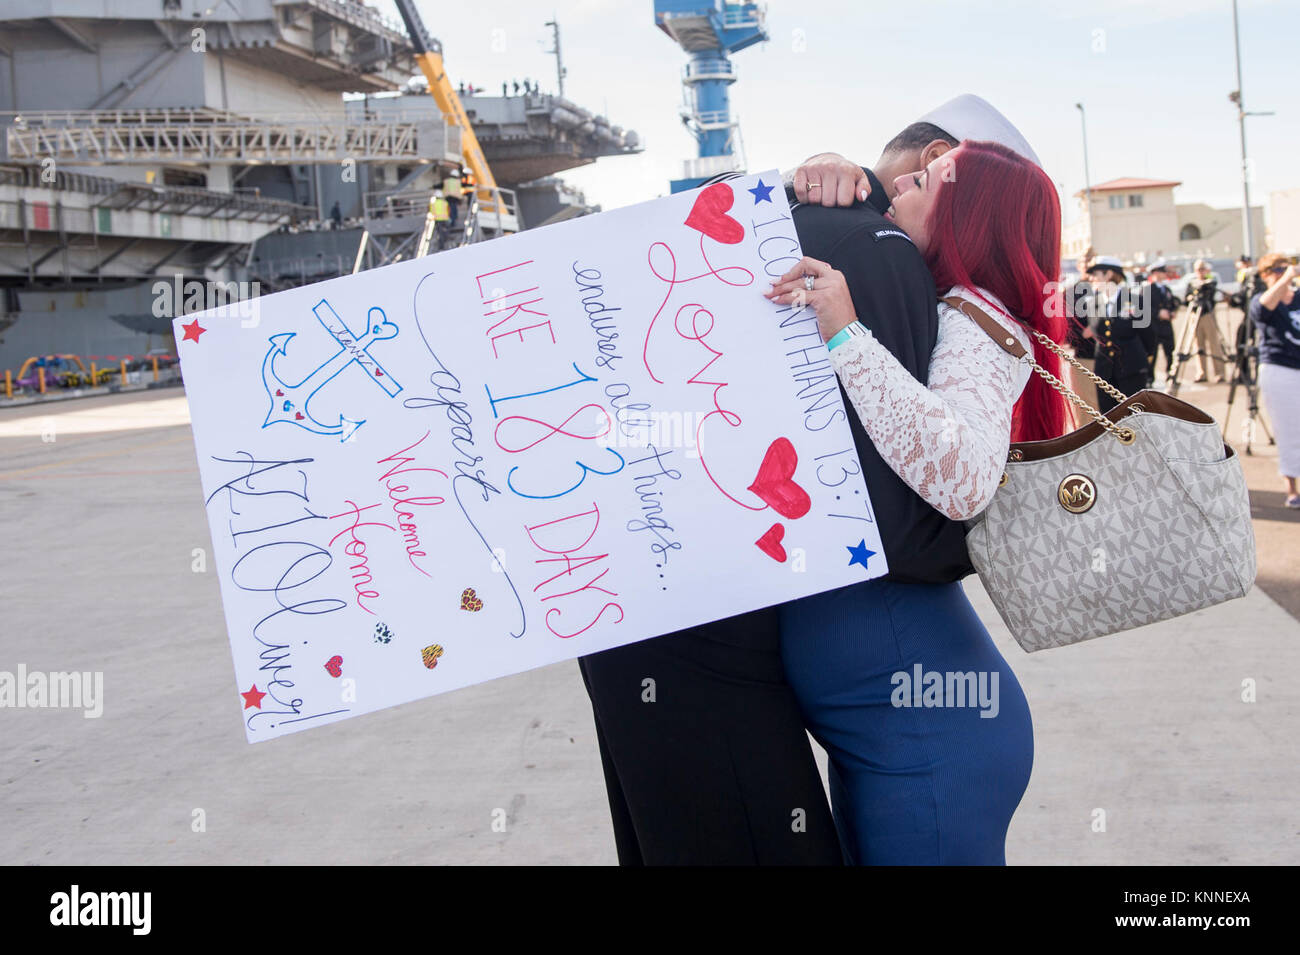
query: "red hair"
996, 225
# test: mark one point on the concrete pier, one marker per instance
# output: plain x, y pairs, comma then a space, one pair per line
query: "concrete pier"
102, 512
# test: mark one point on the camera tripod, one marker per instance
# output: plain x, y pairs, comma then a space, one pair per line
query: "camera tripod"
1187, 346
1243, 361
1245, 374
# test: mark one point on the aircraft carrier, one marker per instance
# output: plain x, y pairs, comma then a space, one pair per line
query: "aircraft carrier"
147, 145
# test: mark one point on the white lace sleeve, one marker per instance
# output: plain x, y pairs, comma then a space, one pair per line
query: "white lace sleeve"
947, 441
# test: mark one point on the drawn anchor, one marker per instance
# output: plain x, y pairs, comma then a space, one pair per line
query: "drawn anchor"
290, 403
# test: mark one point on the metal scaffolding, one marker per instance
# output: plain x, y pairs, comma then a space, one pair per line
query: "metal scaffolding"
207, 137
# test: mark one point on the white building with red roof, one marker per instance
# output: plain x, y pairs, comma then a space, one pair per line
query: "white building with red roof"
1139, 220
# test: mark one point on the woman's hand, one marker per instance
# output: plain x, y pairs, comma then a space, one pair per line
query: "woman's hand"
829, 296
830, 180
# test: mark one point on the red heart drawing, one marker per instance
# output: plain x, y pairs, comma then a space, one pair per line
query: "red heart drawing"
279, 393
709, 215
297, 416
334, 666
770, 543
775, 482
378, 373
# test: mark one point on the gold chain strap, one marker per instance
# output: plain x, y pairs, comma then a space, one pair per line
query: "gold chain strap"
1106, 386
1124, 435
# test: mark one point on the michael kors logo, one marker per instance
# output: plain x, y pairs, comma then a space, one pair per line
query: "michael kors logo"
1077, 493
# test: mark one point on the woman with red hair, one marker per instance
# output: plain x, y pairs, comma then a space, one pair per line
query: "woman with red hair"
928, 731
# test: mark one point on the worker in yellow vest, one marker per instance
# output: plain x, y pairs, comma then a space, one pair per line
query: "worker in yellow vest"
451, 190
441, 212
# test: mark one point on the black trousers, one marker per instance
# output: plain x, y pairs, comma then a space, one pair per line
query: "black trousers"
1165, 343
705, 755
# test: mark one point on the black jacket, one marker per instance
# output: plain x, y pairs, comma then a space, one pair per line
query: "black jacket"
894, 296
1161, 297
1078, 298
1126, 340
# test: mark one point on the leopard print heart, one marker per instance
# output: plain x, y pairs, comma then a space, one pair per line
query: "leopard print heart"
470, 601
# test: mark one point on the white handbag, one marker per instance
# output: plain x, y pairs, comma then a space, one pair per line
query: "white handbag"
1138, 516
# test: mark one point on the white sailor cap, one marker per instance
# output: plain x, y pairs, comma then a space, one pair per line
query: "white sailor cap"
970, 117
1106, 262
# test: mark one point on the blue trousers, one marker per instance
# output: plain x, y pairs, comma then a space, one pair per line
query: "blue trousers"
928, 731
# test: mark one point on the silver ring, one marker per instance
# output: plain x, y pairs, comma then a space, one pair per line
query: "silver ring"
814, 185
808, 282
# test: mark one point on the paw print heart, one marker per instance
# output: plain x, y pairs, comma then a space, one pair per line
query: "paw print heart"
334, 666
469, 600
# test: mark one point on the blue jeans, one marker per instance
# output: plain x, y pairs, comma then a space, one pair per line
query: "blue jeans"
933, 782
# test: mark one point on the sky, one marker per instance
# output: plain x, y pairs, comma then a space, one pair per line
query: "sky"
1153, 76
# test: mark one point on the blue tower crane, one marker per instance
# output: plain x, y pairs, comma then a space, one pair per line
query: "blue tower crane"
710, 30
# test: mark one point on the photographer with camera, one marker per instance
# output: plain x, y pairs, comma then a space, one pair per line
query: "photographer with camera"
1202, 294
1276, 312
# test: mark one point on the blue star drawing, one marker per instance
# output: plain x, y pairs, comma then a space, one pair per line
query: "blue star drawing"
860, 554
761, 193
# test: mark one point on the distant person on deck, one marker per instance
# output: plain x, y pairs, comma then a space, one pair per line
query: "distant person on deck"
451, 192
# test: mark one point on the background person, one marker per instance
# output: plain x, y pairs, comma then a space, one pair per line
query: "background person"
1163, 308
1079, 300
440, 209
1125, 339
451, 191
1202, 294
1276, 313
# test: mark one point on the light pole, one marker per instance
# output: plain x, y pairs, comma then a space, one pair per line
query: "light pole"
1087, 177
1236, 97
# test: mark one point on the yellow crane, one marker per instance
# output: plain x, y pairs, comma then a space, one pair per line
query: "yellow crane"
428, 53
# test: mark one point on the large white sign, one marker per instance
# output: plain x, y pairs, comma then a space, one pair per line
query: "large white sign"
521, 451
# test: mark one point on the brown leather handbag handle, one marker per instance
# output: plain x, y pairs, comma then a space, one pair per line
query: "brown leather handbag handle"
991, 325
